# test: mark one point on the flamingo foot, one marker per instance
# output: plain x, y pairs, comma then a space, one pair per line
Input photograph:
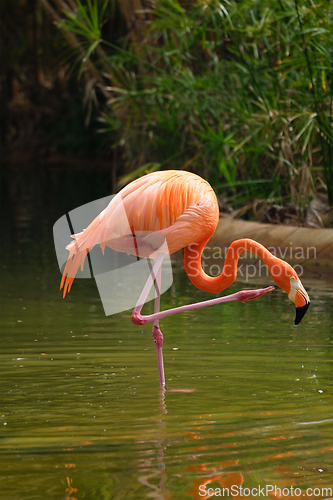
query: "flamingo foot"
158, 339
246, 295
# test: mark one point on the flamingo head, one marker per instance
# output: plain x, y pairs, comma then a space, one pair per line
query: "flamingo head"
289, 281
292, 285
299, 296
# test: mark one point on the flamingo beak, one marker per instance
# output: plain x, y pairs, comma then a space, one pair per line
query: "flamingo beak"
302, 303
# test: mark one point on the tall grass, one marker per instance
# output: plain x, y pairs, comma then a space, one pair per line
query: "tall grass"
238, 91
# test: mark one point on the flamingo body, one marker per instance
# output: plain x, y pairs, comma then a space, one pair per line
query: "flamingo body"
179, 205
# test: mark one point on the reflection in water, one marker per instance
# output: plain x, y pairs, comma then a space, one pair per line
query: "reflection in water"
282, 481
158, 492
227, 482
276, 482
70, 490
81, 416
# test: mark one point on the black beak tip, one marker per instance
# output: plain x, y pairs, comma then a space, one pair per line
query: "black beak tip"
300, 311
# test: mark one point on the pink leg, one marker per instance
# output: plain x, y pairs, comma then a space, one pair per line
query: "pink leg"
139, 319
157, 334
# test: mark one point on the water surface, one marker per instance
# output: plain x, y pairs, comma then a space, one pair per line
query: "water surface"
248, 400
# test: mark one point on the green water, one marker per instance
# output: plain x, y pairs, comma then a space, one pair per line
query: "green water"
248, 398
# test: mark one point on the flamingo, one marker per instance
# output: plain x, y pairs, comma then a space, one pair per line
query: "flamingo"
182, 208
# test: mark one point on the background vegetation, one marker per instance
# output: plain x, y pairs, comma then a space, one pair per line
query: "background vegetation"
237, 91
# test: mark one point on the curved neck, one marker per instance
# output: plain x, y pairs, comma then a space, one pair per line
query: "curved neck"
216, 284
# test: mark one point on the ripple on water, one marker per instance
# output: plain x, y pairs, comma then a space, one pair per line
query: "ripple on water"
248, 397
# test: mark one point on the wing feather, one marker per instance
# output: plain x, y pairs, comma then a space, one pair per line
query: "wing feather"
178, 204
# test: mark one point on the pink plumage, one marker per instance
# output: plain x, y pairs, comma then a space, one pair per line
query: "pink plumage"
179, 205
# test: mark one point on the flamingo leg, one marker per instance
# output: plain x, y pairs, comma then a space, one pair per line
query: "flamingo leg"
155, 275
157, 334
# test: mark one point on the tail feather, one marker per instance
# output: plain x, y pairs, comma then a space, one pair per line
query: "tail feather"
78, 249
74, 262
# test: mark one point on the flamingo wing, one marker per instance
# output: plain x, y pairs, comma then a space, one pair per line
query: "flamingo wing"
178, 205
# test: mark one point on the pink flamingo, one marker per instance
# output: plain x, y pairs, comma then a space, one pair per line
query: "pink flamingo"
183, 208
